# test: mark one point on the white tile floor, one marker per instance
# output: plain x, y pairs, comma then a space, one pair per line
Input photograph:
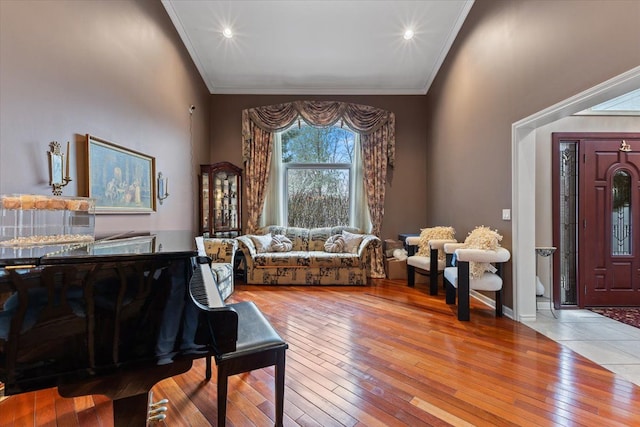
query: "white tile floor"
611, 344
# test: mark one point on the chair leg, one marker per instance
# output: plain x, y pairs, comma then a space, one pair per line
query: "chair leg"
207, 371
433, 282
279, 397
433, 272
500, 272
222, 396
450, 297
463, 290
448, 263
411, 276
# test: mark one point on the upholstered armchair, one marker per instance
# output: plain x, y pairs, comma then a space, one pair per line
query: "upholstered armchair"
430, 265
430, 257
222, 253
487, 275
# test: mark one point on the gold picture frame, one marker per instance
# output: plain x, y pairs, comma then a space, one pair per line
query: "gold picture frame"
119, 179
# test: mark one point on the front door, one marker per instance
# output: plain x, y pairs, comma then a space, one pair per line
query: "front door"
609, 221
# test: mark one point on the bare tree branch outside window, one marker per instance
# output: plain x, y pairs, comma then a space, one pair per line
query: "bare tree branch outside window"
318, 167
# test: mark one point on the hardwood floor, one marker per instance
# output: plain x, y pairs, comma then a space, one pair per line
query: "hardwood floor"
382, 355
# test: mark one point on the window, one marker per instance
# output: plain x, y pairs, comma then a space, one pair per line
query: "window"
316, 178
621, 213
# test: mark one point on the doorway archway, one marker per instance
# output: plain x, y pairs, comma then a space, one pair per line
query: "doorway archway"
523, 135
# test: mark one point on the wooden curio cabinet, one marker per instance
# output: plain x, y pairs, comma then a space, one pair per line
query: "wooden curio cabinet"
220, 200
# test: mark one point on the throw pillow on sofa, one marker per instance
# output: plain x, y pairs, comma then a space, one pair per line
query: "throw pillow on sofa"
281, 243
335, 244
262, 243
351, 241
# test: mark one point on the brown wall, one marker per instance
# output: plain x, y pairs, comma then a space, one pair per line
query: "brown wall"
114, 69
512, 59
406, 196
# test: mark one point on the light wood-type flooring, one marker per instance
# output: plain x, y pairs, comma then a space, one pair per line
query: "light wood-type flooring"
381, 355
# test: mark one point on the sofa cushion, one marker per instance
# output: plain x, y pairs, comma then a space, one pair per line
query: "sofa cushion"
281, 243
318, 237
299, 238
306, 259
329, 260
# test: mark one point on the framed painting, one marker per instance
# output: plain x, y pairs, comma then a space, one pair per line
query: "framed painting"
120, 180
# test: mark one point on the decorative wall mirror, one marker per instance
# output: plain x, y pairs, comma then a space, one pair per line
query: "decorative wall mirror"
58, 168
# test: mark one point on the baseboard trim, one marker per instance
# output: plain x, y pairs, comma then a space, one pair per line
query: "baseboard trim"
506, 311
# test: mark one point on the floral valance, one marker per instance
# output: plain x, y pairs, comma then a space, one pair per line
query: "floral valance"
363, 119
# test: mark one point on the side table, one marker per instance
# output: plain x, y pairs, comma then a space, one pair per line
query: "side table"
547, 252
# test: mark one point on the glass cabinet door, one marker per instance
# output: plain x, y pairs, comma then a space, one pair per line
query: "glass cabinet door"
220, 200
204, 205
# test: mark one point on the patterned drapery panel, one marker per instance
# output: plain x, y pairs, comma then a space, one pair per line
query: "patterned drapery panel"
374, 158
377, 130
257, 173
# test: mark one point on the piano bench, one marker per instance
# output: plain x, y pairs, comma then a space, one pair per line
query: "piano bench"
258, 346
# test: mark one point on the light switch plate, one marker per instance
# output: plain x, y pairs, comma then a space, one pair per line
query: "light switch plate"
506, 214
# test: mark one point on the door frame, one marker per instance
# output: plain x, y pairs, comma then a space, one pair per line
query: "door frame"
581, 139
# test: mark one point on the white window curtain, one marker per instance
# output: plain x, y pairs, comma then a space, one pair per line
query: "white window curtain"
359, 214
273, 211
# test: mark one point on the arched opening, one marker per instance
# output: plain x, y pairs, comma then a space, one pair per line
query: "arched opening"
523, 179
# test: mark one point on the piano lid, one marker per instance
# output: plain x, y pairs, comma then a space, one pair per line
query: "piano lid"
117, 245
95, 315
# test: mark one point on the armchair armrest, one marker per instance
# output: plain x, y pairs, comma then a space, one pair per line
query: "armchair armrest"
483, 255
368, 239
450, 248
440, 243
221, 250
412, 241
246, 243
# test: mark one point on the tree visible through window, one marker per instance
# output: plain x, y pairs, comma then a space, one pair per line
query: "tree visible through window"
318, 169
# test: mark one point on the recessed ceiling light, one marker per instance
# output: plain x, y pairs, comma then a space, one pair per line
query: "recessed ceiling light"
408, 35
227, 32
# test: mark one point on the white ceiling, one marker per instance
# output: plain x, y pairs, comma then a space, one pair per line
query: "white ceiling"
305, 47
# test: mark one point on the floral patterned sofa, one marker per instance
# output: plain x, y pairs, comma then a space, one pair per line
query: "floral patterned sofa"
307, 263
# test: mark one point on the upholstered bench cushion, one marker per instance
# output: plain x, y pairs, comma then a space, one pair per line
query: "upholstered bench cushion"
306, 259
424, 262
488, 281
255, 333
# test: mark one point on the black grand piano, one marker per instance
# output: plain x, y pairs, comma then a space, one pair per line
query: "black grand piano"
113, 317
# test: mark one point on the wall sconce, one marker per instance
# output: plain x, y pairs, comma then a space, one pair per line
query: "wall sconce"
57, 164
163, 187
